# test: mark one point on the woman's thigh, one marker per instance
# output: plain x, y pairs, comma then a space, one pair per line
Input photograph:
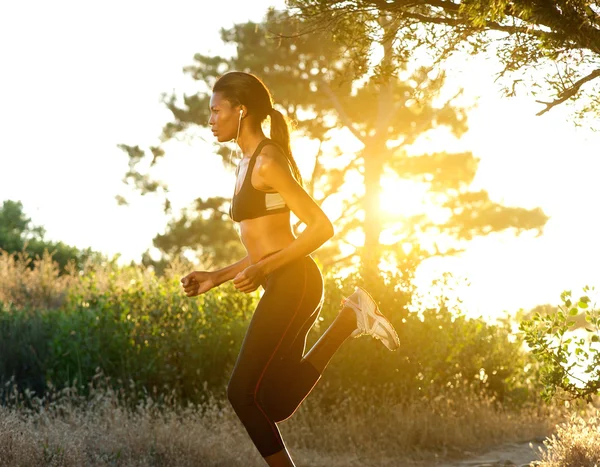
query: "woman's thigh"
284, 315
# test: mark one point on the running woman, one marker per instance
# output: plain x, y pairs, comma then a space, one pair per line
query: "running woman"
273, 374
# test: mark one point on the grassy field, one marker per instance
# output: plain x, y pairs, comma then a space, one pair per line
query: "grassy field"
100, 429
114, 366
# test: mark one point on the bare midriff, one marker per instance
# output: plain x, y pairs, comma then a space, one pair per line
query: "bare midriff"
267, 234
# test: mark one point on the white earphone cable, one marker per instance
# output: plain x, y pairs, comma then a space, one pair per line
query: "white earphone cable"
237, 136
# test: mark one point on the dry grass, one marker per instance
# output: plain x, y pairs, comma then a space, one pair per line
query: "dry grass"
37, 284
575, 444
69, 430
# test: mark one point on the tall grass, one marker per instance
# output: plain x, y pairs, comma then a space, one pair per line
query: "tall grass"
576, 443
33, 283
68, 428
165, 359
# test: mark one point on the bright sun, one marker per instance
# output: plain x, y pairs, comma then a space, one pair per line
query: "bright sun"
402, 197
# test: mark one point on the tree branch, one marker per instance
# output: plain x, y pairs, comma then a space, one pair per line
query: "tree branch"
454, 22
344, 117
311, 182
570, 92
343, 172
333, 262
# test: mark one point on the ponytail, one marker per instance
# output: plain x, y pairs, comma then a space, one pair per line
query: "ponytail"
280, 133
244, 88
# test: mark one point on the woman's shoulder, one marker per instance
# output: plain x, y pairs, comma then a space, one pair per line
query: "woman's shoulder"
272, 154
272, 147
272, 150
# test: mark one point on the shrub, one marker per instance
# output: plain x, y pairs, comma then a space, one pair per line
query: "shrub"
144, 334
570, 364
575, 444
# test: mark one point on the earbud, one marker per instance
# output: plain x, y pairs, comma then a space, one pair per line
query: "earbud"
241, 113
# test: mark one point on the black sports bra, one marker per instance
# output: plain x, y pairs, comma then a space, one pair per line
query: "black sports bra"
249, 202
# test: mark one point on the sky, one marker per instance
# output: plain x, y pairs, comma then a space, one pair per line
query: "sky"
79, 78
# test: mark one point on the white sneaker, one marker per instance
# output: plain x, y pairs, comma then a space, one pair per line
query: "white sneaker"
370, 320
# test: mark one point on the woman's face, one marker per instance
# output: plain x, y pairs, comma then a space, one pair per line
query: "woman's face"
224, 118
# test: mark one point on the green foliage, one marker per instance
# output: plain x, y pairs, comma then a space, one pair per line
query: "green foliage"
546, 48
149, 332
15, 226
570, 364
24, 345
140, 330
17, 234
441, 350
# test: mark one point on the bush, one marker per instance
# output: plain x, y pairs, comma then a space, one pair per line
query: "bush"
144, 334
575, 444
570, 365
149, 332
24, 346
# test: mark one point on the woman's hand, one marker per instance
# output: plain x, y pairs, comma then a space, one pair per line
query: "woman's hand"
249, 279
198, 282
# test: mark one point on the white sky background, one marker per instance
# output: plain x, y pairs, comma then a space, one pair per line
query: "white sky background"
78, 78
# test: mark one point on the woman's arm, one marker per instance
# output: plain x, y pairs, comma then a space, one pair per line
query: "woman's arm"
229, 272
318, 229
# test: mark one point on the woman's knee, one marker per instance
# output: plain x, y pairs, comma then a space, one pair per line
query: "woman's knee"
237, 395
271, 396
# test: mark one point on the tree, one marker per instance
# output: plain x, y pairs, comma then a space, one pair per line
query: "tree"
311, 79
18, 234
202, 224
550, 48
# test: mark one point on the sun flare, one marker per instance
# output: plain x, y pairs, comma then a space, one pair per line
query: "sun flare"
402, 197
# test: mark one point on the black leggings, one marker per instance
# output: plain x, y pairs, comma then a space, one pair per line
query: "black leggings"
270, 379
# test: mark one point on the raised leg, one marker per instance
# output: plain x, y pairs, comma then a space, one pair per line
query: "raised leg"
293, 377
331, 340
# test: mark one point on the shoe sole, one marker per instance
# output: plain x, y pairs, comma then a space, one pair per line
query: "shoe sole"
387, 325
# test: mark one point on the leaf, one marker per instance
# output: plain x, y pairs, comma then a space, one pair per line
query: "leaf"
573, 311
585, 299
595, 338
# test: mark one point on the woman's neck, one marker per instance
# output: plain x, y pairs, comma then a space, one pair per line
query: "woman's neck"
249, 139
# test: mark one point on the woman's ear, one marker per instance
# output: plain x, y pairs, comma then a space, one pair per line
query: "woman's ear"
243, 111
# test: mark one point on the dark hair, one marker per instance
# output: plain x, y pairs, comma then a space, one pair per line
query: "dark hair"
244, 88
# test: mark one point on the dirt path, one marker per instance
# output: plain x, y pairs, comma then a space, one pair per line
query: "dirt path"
522, 454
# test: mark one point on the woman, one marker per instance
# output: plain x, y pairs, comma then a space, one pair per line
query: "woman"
273, 375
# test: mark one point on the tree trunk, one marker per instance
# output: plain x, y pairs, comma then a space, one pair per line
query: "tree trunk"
374, 156
372, 226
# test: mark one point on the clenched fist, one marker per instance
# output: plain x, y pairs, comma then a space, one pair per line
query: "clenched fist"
198, 282
249, 279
